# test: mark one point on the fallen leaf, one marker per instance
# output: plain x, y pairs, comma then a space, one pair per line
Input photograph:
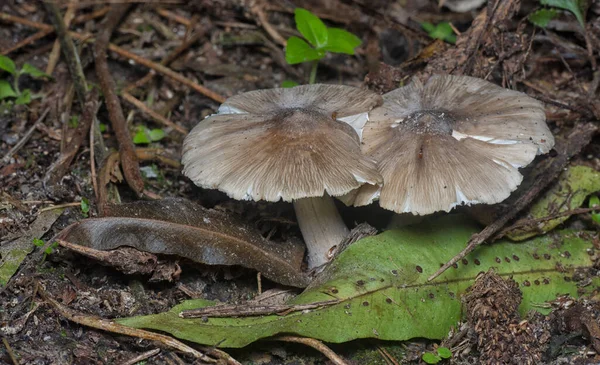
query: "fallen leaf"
571, 190
383, 292
180, 227
13, 252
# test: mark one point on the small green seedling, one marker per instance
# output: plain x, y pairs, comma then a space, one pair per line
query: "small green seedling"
542, 17
319, 39
85, 206
442, 353
441, 31
40, 243
10, 91
595, 203
143, 135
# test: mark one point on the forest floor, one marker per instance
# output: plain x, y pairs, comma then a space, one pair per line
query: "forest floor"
172, 64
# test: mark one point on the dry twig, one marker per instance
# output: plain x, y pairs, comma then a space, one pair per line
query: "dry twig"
129, 161
315, 344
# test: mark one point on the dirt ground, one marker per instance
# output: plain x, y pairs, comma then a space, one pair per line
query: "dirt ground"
220, 48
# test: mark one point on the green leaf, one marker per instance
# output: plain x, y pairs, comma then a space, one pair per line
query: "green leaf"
156, 134
142, 135
73, 121
571, 190
102, 127
288, 83
6, 90
7, 65
85, 205
381, 283
38, 242
441, 31
29, 69
311, 27
542, 17
577, 7
444, 352
431, 358
341, 41
24, 98
298, 51
595, 202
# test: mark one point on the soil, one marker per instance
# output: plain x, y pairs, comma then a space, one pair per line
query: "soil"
236, 48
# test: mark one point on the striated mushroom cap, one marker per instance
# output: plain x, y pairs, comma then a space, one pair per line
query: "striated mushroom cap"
283, 144
454, 140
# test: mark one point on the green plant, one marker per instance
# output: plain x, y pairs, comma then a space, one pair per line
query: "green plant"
441, 31
143, 135
434, 358
8, 90
542, 17
595, 203
48, 250
85, 206
321, 39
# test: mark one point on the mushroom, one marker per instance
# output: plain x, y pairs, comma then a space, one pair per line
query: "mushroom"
298, 144
453, 140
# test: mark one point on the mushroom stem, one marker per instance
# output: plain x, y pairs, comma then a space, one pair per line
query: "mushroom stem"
321, 225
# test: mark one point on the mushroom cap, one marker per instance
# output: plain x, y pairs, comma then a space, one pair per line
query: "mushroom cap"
283, 144
454, 140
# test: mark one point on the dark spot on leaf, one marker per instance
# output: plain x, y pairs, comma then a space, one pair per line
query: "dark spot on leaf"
334, 290
431, 296
516, 258
536, 256
567, 254
465, 261
498, 260
360, 283
526, 283
537, 282
567, 278
365, 303
455, 265
547, 256
452, 295
395, 272
506, 259
546, 281
419, 269
388, 300
347, 306
477, 262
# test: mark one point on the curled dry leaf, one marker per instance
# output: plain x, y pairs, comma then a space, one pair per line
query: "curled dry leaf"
180, 227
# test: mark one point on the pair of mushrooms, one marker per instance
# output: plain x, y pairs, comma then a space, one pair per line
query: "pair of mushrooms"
425, 148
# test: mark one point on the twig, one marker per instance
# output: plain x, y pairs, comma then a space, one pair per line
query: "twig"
11, 354
124, 53
69, 51
59, 168
25, 138
151, 113
66, 205
141, 357
170, 15
129, 162
252, 310
574, 143
264, 21
315, 344
529, 222
93, 164
111, 326
55, 53
32, 38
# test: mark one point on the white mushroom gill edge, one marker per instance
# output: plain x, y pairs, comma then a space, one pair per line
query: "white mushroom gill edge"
322, 227
356, 121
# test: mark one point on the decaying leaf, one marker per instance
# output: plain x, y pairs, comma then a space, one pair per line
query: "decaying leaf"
571, 190
180, 227
13, 252
383, 292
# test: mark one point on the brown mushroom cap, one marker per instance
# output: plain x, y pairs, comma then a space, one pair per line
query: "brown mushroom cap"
282, 144
454, 140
